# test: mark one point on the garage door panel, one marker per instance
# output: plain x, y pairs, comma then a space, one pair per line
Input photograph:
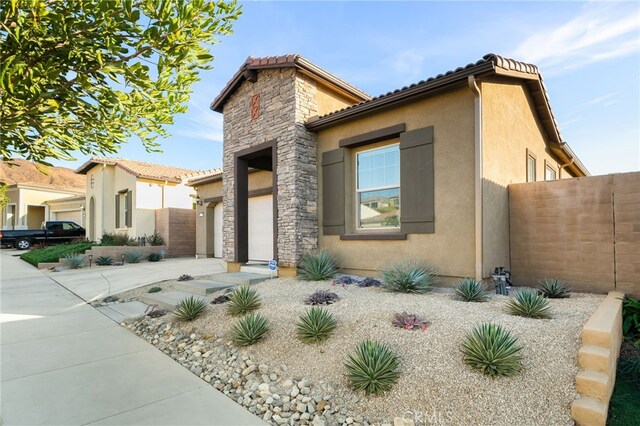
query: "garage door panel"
73, 216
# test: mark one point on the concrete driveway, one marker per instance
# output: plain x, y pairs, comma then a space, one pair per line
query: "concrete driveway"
64, 363
101, 281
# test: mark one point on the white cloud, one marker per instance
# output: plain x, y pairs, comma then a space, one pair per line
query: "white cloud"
601, 31
600, 99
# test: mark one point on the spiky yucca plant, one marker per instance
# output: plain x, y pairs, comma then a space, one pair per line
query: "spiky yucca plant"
133, 257
74, 260
242, 300
318, 266
528, 303
409, 276
471, 290
316, 325
250, 329
104, 261
190, 308
492, 350
372, 368
554, 289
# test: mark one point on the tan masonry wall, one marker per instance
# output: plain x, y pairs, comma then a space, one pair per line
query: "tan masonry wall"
178, 229
597, 362
585, 231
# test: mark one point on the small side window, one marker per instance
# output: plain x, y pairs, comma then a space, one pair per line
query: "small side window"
549, 173
531, 167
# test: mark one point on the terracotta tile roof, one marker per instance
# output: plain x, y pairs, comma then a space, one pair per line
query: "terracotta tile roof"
142, 169
211, 176
26, 173
284, 61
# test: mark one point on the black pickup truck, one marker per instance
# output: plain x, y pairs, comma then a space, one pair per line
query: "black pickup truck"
54, 232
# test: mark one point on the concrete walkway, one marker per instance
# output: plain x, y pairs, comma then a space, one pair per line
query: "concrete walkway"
101, 281
64, 363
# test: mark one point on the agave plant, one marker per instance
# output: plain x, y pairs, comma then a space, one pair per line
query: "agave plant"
318, 266
492, 350
528, 303
104, 261
554, 289
471, 290
133, 257
316, 325
409, 276
74, 260
154, 257
372, 368
242, 300
409, 321
321, 297
190, 308
250, 329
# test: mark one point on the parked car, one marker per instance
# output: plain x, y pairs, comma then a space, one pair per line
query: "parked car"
53, 232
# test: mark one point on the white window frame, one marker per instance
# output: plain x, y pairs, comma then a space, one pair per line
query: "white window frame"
548, 168
376, 188
530, 169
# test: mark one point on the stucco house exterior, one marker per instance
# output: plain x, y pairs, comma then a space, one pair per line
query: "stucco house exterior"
123, 196
418, 172
39, 193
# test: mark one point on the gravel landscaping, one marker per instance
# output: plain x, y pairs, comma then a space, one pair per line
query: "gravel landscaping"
435, 386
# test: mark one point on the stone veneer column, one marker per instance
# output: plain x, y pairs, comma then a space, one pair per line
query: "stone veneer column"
287, 99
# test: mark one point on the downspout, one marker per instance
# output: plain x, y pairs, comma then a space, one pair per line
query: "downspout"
564, 165
477, 103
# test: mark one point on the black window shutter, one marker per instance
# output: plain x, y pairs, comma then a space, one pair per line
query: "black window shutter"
333, 214
417, 181
128, 218
117, 210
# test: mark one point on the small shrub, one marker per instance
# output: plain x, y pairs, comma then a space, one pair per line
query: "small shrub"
249, 330
133, 257
409, 321
317, 267
220, 299
54, 253
321, 297
344, 280
190, 308
631, 320
528, 303
372, 368
471, 290
74, 260
492, 350
154, 257
316, 325
110, 299
409, 276
185, 277
554, 289
113, 239
630, 368
242, 300
154, 290
155, 239
369, 282
104, 261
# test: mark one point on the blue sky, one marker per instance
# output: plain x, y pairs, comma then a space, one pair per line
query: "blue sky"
588, 53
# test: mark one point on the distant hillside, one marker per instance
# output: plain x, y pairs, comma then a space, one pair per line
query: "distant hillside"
25, 173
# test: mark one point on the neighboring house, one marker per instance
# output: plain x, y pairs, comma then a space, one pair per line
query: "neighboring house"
39, 193
123, 196
418, 172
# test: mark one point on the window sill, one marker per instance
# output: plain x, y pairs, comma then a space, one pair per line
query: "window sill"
379, 236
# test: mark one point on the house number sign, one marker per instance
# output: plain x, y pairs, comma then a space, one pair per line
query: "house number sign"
255, 107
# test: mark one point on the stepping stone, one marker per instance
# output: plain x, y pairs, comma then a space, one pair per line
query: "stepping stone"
168, 300
127, 312
202, 287
241, 278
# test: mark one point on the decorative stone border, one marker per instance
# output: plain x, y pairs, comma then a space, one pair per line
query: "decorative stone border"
597, 361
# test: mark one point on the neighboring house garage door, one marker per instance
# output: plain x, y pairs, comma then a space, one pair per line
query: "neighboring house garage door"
260, 228
73, 216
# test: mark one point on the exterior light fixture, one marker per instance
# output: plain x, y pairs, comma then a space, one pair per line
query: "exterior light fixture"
122, 258
90, 260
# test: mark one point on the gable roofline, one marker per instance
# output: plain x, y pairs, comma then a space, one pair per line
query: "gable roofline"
490, 64
248, 72
46, 187
156, 172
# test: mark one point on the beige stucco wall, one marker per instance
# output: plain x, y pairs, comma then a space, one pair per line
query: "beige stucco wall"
22, 197
451, 247
204, 214
329, 101
510, 127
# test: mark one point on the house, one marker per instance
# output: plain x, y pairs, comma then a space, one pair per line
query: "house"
418, 172
38, 193
131, 197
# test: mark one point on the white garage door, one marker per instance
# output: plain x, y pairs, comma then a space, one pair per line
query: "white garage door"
73, 216
217, 230
261, 228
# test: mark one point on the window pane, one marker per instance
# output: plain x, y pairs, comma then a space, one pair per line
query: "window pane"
531, 169
551, 174
379, 167
379, 209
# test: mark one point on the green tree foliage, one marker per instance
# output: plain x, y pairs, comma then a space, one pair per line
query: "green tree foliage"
4, 198
87, 75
